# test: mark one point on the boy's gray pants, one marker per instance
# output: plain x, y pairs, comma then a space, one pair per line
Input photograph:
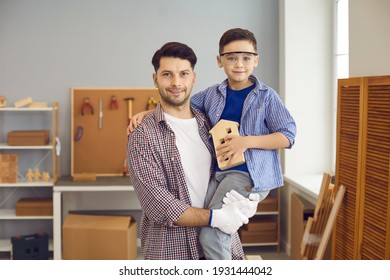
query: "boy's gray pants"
216, 244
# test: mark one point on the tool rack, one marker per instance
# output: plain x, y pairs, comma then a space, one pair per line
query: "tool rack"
98, 127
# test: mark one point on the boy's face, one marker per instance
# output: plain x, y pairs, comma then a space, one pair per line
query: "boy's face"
239, 59
174, 80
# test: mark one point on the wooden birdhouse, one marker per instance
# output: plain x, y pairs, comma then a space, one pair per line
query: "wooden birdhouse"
218, 133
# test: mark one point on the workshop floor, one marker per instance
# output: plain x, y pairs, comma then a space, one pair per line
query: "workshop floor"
264, 252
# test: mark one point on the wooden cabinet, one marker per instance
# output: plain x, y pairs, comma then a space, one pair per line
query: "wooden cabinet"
264, 228
362, 230
45, 157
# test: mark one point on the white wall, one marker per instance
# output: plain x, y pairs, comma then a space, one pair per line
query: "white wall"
306, 82
369, 40
47, 47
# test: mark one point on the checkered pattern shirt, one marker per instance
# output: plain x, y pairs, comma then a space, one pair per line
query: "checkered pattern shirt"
159, 181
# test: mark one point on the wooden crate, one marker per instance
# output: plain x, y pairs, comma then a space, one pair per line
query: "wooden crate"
257, 236
9, 168
34, 206
28, 138
261, 224
269, 204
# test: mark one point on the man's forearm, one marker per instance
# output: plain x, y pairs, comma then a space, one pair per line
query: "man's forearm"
194, 217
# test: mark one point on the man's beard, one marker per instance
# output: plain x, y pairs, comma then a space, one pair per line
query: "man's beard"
170, 101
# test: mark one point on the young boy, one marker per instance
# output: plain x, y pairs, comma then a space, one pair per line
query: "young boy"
265, 126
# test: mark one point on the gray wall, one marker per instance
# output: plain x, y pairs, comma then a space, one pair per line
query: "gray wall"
47, 47
369, 40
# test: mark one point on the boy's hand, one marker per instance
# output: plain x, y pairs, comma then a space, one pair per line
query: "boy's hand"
233, 147
135, 121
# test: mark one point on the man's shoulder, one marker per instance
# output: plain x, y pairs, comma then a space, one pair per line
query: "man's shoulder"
147, 125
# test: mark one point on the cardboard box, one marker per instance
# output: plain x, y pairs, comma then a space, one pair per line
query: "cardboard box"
269, 204
28, 138
9, 168
257, 236
99, 237
34, 206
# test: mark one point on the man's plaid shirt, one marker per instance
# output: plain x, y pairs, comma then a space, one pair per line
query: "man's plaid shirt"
159, 181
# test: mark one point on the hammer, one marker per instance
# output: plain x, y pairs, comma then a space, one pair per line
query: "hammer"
130, 106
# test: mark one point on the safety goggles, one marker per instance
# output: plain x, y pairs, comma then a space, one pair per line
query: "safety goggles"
232, 58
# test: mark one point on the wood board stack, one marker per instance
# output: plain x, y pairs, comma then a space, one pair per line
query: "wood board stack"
9, 168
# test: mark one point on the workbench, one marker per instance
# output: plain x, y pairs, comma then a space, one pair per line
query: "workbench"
104, 193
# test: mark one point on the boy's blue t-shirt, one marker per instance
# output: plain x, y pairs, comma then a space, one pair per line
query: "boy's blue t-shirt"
232, 112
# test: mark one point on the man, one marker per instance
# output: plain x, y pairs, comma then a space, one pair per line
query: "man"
171, 167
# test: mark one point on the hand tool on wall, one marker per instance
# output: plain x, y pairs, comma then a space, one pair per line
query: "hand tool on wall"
130, 107
114, 103
86, 103
79, 133
151, 103
100, 114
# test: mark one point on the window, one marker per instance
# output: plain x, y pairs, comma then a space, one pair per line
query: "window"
341, 60
342, 42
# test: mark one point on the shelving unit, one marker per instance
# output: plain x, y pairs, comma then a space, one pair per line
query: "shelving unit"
271, 215
18, 119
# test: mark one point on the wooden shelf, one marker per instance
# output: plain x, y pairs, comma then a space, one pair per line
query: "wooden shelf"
26, 109
5, 146
17, 224
25, 184
260, 244
275, 216
267, 213
9, 214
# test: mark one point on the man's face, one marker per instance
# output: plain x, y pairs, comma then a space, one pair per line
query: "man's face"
174, 80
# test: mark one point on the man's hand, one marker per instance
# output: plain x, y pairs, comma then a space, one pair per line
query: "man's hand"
254, 199
135, 121
229, 218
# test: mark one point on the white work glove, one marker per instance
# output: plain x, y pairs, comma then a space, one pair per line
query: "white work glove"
253, 201
229, 218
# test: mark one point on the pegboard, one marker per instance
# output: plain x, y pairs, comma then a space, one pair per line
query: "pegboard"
98, 136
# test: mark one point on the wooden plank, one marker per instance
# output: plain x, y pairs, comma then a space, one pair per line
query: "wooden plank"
329, 224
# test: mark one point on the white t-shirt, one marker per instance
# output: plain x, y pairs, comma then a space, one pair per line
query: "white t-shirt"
195, 157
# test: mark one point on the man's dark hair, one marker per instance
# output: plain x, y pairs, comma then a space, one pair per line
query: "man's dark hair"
176, 50
237, 34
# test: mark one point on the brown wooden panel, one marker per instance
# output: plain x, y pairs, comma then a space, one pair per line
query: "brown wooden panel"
347, 166
363, 165
375, 184
103, 151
